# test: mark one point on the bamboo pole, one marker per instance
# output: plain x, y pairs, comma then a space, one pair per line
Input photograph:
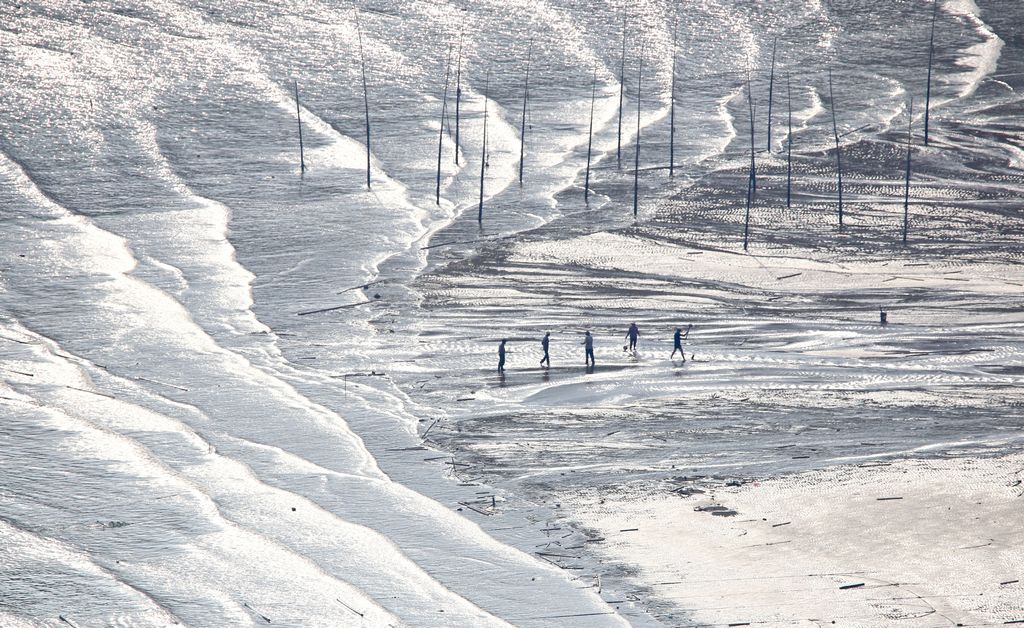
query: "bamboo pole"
298, 115
771, 93
636, 156
906, 190
931, 53
526, 99
483, 149
672, 106
458, 98
789, 143
622, 89
444, 115
839, 160
366, 99
753, 168
751, 177
590, 138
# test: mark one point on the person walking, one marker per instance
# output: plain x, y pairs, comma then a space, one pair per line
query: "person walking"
501, 356
677, 342
633, 333
545, 343
588, 344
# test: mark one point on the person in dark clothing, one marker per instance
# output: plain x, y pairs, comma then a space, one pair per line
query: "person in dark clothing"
677, 342
545, 342
501, 356
588, 344
633, 334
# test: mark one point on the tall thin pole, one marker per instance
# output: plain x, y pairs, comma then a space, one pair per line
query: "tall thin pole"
751, 177
366, 100
931, 53
458, 98
298, 115
906, 192
771, 91
622, 88
789, 143
590, 138
483, 148
526, 99
444, 115
753, 168
839, 160
636, 156
672, 106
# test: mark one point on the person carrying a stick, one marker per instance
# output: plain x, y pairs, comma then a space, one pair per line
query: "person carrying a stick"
677, 341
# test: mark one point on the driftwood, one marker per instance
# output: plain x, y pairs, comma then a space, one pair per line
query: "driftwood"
427, 431
331, 309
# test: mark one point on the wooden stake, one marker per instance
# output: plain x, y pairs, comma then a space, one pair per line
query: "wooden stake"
590, 138
298, 115
483, 149
444, 115
906, 192
526, 99
839, 160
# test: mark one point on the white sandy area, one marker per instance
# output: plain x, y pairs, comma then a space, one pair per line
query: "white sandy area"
950, 552
792, 270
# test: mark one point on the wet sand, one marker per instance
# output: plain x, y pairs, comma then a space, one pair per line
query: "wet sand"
913, 542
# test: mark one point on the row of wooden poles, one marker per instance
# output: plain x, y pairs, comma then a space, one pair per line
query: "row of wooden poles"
752, 174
